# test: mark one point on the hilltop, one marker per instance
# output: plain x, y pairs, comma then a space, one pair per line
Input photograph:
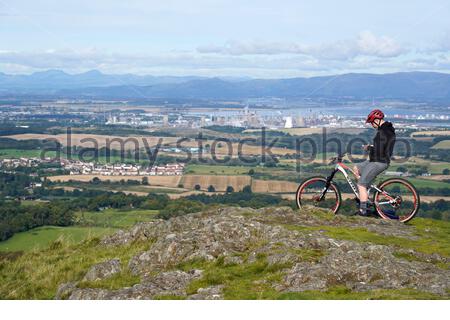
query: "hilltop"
426, 86
242, 253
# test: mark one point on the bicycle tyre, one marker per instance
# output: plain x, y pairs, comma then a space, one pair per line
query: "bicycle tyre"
405, 183
333, 186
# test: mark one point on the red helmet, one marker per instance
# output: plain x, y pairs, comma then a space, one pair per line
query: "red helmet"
374, 114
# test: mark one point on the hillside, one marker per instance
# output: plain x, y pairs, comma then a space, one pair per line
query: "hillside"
404, 85
242, 253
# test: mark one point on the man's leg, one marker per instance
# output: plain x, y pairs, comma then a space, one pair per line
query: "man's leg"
363, 197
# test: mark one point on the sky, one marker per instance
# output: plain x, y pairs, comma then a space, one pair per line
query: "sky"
254, 38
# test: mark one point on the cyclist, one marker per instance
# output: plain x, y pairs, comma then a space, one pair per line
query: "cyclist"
380, 153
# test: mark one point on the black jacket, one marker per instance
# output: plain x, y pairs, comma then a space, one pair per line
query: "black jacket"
383, 144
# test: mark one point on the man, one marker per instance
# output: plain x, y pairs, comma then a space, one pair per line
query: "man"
380, 153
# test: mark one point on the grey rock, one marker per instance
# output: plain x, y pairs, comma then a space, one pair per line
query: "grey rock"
232, 260
65, 290
277, 235
210, 293
172, 283
103, 270
365, 267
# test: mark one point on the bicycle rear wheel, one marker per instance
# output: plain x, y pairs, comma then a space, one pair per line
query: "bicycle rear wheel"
398, 200
311, 193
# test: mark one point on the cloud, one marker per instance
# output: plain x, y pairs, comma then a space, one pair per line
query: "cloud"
366, 44
367, 54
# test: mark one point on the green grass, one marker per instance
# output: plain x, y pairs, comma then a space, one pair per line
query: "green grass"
42, 237
16, 153
426, 183
88, 224
255, 281
216, 170
120, 280
113, 218
444, 144
37, 274
117, 187
437, 168
434, 236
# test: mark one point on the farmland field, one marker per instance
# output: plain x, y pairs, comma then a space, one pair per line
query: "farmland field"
17, 153
445, 144
42, 237
88, 225
273, 186
87, 140
220, 183
431, 133
215, 170
164, 181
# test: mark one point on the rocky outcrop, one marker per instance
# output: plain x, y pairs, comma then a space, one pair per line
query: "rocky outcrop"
171, 283
307, 257
103, 270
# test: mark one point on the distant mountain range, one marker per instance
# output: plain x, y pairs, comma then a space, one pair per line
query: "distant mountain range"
94, 84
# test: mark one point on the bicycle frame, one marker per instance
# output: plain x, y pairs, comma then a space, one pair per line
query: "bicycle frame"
341, 167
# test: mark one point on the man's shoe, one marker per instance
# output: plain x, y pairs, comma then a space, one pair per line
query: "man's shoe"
363, 214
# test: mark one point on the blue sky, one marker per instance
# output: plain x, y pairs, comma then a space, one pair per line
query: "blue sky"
265, 39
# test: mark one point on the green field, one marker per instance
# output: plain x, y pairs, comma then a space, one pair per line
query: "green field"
423, 183
112, 218
118, 187
42, 237
444, 144
88, 225
437, 168
216, 170
16, 153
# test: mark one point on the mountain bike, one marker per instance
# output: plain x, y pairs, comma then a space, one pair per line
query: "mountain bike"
394, 198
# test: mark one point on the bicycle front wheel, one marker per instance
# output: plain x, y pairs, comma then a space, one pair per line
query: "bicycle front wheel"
313, 192
398, 200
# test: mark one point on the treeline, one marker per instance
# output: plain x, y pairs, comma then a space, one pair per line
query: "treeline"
15, 217
15, 184
31, 144
225, 129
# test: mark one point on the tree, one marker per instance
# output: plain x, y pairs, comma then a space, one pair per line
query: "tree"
230, 189
402, 169
96, 180
247, 189
251, 172
197, 187
145, 181
446, 171
211, 188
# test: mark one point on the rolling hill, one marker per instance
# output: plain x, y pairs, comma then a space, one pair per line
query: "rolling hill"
93, 84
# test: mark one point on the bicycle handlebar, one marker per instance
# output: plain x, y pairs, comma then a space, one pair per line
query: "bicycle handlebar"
333, 160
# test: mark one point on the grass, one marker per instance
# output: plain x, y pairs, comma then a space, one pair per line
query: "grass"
426, 183
88, 225
17, 153
113, 218
255, 281
43, 237
37, 274
216, 170
116, 187
434, 236
444, 144
118, 281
